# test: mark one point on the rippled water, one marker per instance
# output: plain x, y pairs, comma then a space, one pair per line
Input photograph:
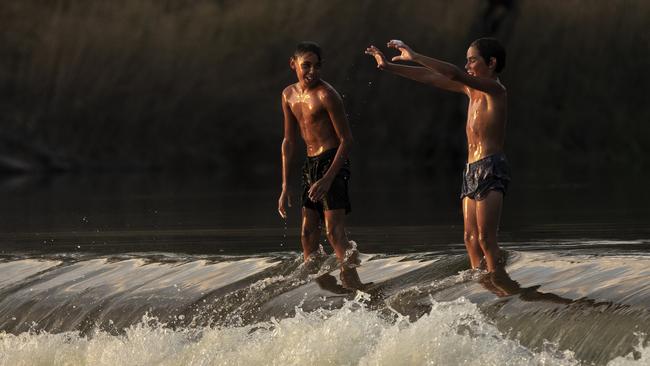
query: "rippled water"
123, 272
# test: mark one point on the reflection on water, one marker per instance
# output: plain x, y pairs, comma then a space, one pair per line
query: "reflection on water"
205, 214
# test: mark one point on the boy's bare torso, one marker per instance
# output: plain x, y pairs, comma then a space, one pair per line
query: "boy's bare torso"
486, 120
316, 126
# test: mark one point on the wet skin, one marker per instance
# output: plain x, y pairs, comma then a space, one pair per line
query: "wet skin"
307, 101
313, 107
486, 113
485, 129
317, 109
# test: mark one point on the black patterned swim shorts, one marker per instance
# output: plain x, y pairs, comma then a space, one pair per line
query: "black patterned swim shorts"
337, 197
480, 177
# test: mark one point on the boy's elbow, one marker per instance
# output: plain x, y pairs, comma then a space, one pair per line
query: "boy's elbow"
454, 74
287, 143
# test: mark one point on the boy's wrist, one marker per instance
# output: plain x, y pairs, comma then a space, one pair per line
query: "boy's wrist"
328, 177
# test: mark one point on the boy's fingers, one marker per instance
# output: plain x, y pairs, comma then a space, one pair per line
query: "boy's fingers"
395, 43
315, 194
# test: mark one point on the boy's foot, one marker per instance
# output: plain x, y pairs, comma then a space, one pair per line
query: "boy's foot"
315, 260
350, 278
501, 261
482, 265
328, 282
351, 258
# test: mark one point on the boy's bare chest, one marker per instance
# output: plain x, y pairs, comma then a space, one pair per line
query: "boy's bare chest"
307, 110
480, 109
477, 104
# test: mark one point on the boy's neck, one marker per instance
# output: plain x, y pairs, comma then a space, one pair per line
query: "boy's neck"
303, 87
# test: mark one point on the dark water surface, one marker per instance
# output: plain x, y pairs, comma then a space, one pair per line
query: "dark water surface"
397, 213
136, 269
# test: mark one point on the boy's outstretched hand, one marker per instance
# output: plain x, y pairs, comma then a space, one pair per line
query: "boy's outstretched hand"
379, 57
406, 51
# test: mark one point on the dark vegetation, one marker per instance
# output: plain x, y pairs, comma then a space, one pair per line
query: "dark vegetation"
195, 84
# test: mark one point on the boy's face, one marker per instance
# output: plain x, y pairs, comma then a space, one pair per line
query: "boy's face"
307, 67
476, 64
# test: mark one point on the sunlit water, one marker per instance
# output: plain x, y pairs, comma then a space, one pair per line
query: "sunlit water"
181, 275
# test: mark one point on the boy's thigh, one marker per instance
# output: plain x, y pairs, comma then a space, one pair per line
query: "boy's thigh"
469, 214
488, 211
334, 218
310, 219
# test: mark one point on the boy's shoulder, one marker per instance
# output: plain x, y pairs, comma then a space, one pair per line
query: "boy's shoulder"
290, 89
326, 90
323, 90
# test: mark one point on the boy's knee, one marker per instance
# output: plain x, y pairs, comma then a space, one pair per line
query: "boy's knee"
485, 239
469, 237
334, 231
308, 232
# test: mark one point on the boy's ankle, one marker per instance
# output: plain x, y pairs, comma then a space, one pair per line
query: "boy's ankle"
351, 258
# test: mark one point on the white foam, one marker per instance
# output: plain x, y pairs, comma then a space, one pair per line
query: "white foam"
453, 333
640, 356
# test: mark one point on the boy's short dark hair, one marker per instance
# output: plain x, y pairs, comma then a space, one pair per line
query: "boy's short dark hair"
491, 47
308, 46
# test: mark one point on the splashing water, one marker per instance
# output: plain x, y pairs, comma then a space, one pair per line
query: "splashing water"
452, 333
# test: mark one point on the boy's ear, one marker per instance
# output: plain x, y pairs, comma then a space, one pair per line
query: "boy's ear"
493, 63
292, 63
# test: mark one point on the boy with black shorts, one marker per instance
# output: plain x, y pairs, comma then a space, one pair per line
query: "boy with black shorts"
315, 109
487, 173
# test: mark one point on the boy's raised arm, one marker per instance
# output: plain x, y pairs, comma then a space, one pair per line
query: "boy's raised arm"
288, 144
417, 73
450, 71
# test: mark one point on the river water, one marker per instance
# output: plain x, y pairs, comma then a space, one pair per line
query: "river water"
160, 270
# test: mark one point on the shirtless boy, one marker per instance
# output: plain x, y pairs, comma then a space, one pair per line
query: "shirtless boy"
314, 108
487, 174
